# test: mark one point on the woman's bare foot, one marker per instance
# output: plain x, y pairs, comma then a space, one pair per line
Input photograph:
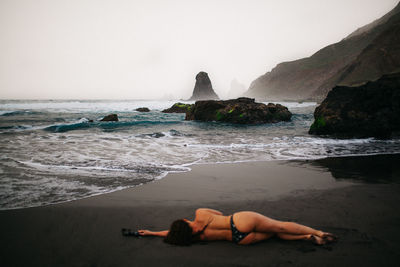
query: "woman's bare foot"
317, 240
323, 239
328, 237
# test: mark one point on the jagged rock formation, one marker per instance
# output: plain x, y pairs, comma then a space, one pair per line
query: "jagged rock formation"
370, 110
110, 117
178, 108
364, 55
242, 111
203, 89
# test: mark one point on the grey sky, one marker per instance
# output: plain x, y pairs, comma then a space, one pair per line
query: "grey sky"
140, 49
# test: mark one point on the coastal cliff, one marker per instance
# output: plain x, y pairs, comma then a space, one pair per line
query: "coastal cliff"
364, 55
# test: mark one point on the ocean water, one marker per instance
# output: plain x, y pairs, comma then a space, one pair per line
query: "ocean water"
51, 153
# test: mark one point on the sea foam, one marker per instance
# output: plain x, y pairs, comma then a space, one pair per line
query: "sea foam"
52, 153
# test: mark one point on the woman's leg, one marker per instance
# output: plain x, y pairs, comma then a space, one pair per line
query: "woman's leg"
252, 222
255, 237
287, 228
248, 221
293, 237
313, 238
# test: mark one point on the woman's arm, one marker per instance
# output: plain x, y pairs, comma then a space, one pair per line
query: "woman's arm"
153, 233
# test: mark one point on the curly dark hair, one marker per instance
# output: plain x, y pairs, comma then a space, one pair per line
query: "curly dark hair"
180, 233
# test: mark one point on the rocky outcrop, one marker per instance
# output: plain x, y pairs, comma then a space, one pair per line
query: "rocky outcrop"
370, 110
365, 55
178, 108
110, 117
242, 111
144, 109
203, 89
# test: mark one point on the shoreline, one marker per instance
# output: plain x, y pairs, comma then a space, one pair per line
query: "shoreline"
86, 232
189, 167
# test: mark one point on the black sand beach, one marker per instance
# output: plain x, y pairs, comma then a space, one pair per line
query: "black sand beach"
354, 197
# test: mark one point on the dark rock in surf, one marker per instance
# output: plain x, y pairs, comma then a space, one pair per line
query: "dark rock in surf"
241, 111
203, 89
110, 117
144, 109
157, 135
154, 135
369, 110
178, 108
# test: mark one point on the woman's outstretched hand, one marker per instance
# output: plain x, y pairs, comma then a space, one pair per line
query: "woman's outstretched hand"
157, 233
144, 232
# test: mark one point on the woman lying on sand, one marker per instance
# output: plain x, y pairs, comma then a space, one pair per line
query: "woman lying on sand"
245, 227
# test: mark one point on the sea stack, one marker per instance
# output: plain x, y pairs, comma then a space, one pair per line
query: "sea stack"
203, 89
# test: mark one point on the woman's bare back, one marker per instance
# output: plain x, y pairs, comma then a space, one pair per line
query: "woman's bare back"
211, 225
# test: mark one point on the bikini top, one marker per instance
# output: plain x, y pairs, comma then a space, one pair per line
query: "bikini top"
197, 235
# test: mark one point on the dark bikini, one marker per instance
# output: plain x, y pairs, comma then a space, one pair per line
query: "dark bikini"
237, 236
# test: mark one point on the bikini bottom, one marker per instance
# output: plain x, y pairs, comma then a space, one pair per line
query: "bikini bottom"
237, 236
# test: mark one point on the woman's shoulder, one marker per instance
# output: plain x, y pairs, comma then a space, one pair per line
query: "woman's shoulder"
207, 211
203, 214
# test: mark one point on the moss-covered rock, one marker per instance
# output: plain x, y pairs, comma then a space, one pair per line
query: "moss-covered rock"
242, 111
178, 108
369, 110
319, 123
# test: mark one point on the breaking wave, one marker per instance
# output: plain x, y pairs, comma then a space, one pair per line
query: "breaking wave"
52, 152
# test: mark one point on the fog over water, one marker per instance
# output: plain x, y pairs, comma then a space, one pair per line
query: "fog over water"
148, 49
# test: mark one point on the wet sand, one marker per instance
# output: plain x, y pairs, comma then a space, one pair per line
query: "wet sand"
356, 198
